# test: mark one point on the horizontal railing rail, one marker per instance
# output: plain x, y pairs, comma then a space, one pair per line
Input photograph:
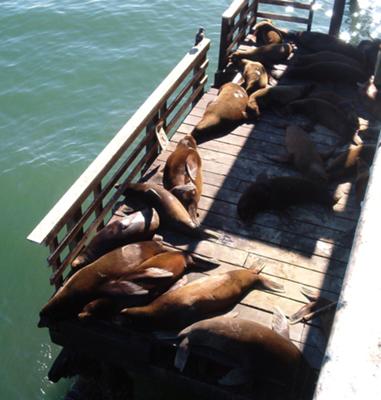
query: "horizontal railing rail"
86, 205
241, 16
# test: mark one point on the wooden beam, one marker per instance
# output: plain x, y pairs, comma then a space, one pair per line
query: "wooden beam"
117, 146
337, 17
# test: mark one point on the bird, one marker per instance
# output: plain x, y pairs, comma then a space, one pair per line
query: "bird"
199, 36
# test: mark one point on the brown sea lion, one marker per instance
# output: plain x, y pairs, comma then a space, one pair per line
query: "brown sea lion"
325, 113
279, 95
170, 209
265, 32
174, 262
224, 113
183, 175
103, 277
326, 56
328, 71
345, 164
267, 55
371, 97
252, 349
121, 230
254, 74
303, 155
197, 299
317, 41
279, 193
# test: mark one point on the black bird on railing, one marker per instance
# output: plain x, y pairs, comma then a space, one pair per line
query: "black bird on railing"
199, 36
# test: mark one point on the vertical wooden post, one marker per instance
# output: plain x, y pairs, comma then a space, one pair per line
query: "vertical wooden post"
99, 208
377, 70
70, 225
310, 16
337, 16
52, 246
225, 29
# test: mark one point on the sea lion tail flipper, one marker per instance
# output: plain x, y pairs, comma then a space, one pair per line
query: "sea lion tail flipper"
151, 272
205, 262
280, 323
237, 376
271, 285
120, 288
208, 233
302, 314
309, 293
182, 354
257, 266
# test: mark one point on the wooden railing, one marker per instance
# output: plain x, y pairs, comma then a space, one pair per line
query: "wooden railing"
86, 206
242, 15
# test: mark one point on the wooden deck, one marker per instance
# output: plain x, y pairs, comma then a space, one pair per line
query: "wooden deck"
301, 249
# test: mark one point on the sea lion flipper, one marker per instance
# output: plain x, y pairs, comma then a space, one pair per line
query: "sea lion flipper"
271, 285
280, 324
309, 293
151, 272
191, 165
180, 283
182, 354
120, 288
236, 376
302, 313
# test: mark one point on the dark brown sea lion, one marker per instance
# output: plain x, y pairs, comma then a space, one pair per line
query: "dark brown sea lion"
121, 230
371, 97
267, 55
325, 113
252, 349
279, 95
329, 71
254, 74
174, 262
183, 175
171, 211
103, 277
266, 33
317, 41
326, 56
303, 155
197, 300
279, 193
345, 164
224, 113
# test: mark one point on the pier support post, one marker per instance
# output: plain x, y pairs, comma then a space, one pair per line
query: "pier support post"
337, 17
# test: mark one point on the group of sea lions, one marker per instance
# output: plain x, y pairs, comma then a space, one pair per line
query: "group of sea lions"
128, 275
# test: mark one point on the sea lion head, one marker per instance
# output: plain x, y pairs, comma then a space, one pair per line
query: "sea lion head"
187, 195
189, 142
254, 199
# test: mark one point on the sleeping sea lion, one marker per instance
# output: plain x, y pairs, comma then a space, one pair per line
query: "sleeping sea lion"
171, 211
326, 56
103, 277
197, 300
252, 349
279, 95
303, 155
328, 71
266, 33
317, 41
174, 262
121, 230
279, 193
223, 114
267, 55
325, 113
183, 175
254, 74
345, 164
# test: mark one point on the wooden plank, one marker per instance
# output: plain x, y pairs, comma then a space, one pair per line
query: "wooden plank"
287, 3
281, 17
73, 197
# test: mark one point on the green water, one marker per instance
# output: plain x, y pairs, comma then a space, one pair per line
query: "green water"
72, 72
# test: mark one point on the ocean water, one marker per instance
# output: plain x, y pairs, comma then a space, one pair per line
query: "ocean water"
72, 73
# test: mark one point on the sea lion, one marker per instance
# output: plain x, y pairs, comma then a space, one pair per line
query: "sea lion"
267, 55
345, 164
174, 262
254, 74
224, 113
170, 209
279, 193
303, 155
183, 175
325, 113
252, 349
369, 49
197, 300
317, 41
103, 277
266, 33
329, 71
279, 95
121, 230
326, 56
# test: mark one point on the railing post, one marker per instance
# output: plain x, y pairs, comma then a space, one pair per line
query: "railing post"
196, 69
98, 210
337, 16
225, 29
70, 225
55, 265
377, 70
